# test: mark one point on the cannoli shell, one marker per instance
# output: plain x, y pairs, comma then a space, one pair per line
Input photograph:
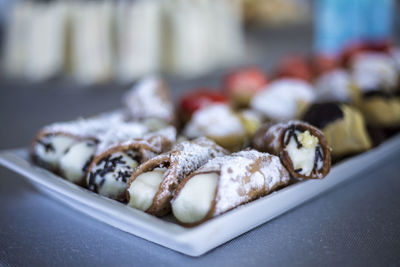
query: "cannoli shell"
243, 177
270, 138
44, 133
148, 149
151, 98
183, 159
381, 111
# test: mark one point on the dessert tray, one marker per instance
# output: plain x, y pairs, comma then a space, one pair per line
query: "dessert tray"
197, 240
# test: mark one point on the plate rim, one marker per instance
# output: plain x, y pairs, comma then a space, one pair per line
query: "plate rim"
197, 240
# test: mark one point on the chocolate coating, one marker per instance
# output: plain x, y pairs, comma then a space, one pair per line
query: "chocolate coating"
321, 114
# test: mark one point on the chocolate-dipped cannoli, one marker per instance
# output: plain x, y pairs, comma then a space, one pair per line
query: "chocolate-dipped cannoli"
111, 169
343, 126
219, 123
226, 182
149, 101
301, 147
152, 184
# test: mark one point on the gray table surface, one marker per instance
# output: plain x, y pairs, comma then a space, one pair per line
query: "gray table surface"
357, 223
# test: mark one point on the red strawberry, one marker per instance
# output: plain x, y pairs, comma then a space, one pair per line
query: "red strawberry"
294, 67
323, 63
200, 98
240, 85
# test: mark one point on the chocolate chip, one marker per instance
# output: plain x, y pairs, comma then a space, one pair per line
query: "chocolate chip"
377, 93
318, 157
86, 166
292, 133
47, 146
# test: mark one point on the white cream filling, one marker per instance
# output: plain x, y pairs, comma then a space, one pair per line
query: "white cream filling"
194, 200
59, 144
143, 189
303, 157
114, 185
73, 162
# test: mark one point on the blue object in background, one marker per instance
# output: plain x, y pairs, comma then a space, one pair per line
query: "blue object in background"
339, 23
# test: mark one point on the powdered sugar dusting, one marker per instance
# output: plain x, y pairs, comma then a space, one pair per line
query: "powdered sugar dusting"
90, 127
186, 157
245, 176
149, 98
215, 121
122, 132
334, 86
280, 99
372, 70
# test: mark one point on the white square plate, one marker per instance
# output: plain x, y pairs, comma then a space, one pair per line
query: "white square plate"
200, 239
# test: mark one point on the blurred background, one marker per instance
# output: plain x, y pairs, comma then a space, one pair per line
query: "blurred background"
62, 59
97, 42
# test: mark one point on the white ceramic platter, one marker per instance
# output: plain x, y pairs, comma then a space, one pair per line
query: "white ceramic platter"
200, 239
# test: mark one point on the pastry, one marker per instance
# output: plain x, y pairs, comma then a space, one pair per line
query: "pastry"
111, 169
374, 71
334, 85
343, 126
301, 147
219, 123
226, 182
149, 102
53, 140
197, 99
283, 99
251, 120
151, 186
377, 79
67, 148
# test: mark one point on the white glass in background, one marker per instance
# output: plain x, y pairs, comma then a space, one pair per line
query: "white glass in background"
92, 51
138, 26
200, 36
228, 37
45, 44
13, 53
95, 41
188, 47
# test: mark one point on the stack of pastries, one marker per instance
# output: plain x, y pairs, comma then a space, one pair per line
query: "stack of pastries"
217, 150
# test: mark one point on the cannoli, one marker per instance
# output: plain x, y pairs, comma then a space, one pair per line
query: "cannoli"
377, 79
149, 101
334, 85
283, 99
301, 147
219, 123
372, 70
380, 109
343, 126
67, 148
151, 186
226, 182
111, 168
